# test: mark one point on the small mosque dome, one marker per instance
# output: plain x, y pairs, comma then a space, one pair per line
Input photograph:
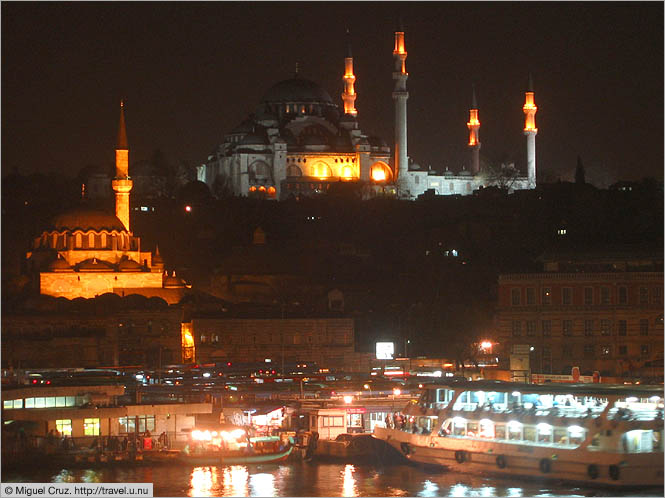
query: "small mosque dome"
296, 90
94, 265
253, 139
59, 265
173, 282
87, 220
129, 265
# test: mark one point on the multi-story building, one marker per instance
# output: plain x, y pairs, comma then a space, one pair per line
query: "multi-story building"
601, 312
329, 342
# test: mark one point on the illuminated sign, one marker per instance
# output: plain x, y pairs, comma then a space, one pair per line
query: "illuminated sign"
385, 350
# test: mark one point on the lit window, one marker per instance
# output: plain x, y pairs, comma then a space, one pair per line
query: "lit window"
64, 427
91, 427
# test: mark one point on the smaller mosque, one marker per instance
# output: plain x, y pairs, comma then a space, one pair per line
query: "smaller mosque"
86, 253
299, 143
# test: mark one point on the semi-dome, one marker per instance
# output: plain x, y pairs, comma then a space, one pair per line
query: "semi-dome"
94, 265
87, 220
59, 264
297, 90
129, 265
254, 139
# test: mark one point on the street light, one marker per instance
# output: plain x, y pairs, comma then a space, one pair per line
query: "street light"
396, 392
367, 386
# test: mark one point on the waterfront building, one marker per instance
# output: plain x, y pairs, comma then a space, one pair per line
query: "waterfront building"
299, 142
327, 341
102, 332
87, 253
84, 413
600, 311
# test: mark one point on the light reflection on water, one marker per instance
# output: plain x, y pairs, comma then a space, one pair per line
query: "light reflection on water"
314, 479
349, 486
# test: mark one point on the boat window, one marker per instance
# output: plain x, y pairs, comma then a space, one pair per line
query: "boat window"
530, 433
544, 433
472, 429
514, 431
459, 427
500, 431
561, 435
637, 441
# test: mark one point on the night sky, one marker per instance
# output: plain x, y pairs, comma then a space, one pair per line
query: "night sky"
190, 72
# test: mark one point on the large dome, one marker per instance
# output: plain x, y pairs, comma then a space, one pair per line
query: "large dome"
296, 90
87, 220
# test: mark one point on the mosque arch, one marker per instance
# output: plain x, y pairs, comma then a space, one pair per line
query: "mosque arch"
381, 172
259, 171
293, 171
321, 170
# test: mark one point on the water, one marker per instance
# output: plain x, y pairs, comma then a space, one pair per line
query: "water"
314, 479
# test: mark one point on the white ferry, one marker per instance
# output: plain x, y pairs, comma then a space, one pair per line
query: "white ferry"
585, 433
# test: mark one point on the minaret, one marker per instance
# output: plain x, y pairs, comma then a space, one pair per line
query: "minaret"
349, 95
474, 141
530, 131
122, 185
400, 96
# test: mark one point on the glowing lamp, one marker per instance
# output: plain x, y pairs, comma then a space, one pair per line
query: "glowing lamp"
348, 399
188, 209
397, 391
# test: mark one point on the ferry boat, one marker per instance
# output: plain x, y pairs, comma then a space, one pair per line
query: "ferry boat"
234, 447
585, 433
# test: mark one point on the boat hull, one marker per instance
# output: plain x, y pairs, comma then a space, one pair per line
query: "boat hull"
219, 458
531, 461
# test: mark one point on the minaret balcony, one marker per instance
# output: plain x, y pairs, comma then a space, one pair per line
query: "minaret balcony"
122, 185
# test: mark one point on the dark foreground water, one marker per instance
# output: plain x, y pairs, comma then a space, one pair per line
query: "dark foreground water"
314, 479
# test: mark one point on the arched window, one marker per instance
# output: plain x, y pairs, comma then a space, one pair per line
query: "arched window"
293, 171
380, 172
55, 241
452, 187
259, 172
91, 240
321, 170
104, 240
78, 241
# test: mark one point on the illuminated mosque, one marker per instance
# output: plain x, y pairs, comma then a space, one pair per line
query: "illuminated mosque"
86, 253
299, 143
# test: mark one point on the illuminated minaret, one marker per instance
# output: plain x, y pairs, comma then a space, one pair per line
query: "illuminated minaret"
530, 131
474, 141
349, 95
400, 96
122, 185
